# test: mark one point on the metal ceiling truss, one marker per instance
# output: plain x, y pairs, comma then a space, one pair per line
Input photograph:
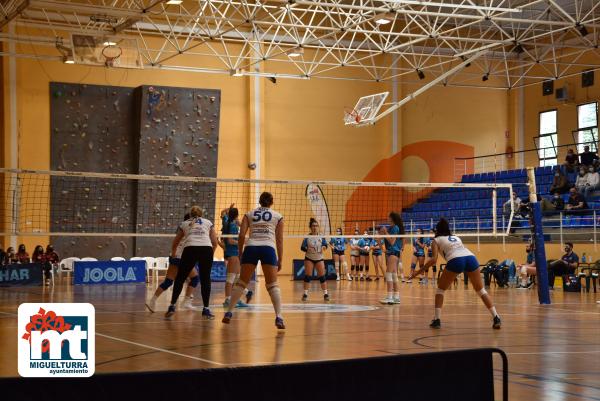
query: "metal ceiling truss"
521, 42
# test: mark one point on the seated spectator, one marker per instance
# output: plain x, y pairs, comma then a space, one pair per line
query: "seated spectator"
11, 256
516, 201
593, 182
588, 158
566, 265
582, 179
556, 204
560, 183
527, 269
22, 255
576, 203
50, 258
571, 161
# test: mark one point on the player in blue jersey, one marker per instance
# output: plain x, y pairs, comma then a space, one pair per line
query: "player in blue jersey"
231, 227
427, 241
354, 255
377, 249
364, 250
418, 253
393, 251
313, 248
338, 250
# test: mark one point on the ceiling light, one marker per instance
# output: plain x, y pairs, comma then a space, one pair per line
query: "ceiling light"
485, 77
174, 2
296, 52
68, 60
109, 43
420, 74
236, 72
382, 21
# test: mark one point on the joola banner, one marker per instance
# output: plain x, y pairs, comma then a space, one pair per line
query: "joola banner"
56, 340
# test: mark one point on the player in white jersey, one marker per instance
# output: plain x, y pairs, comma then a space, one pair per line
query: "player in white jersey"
313, 248
354, 255
265, 245
170, 277
459, 260
200, 239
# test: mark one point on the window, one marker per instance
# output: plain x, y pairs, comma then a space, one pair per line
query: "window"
587, 124
546, 142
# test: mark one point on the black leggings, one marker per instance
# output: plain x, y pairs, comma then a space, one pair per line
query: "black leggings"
557, 268
203, 255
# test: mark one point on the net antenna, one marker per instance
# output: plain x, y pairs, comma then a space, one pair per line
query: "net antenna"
367, 107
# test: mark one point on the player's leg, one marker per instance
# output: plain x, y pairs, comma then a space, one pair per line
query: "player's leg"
446, 279
270, 273
229, 280
320, 266
413, 265
246, 273
188, 260
308, 273
421, 262
390, 273
193, 281
336, 264
162, 287
367, 261
361, 266
474, 275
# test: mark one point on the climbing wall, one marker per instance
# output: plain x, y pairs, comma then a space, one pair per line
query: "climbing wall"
147, 130
179, 134
92, 130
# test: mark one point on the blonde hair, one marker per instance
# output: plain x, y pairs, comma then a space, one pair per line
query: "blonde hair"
196, 211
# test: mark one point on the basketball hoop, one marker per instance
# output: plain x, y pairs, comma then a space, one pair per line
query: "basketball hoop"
111, 53
351, 116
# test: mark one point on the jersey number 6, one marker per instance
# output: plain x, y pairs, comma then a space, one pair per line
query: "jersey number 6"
264, 216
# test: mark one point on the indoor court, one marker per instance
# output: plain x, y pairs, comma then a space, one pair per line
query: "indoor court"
408, 189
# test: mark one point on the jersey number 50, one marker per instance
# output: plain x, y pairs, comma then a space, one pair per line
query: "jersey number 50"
264, 216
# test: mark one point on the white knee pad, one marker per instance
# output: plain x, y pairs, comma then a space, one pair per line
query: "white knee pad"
523, 270
394, 277
439, 291
482, 292
388, 277
230, 278
337, 265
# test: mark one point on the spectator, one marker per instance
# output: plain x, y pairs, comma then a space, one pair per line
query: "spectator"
39, 257
2, 256
556, 204
582, 180
560, 183
576, 203
516, 201
593, 182
10, 257
588, 158
528, 268
566, 265
571, 161
50, 259
22, 255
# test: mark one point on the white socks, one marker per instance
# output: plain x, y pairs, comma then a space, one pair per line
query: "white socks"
493, 311
438, 313
236, 294
275, 294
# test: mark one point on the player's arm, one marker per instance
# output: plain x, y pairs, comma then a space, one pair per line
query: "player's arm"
324, 244
279, 243
304, 245
176, 242
242, 234
213, 238
432, 261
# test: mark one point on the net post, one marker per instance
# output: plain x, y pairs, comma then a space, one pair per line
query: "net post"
495, 212
538, 235
595, 242
560, 224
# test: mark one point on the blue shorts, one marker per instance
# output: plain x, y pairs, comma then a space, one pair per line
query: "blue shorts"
393, 253
341, 253
229, 252
377, 253
253, 254
419, 254
174, 261
463, 264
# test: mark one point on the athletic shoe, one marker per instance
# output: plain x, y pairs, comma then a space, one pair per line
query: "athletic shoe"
362, 278
529, 285
408, 281
249, 296
424, 281
369, 278
326, 297
598, 302
279, 323
521, 287
207, 314
151, 305
396, 300
304, 297
241, 304
170, 311
348, 277
435, 324
226, 303
387, 301
187, 303
497, 322
227, 317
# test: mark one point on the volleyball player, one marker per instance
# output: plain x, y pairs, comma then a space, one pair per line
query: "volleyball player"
200, 241
364, 254
393, 253
458, 260
429, 253
377, 253
170, 276
338, 253
354, 255
313, 248
265, 244
229, 218
418, 254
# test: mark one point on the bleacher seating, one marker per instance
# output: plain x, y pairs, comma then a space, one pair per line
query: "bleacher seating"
470, 209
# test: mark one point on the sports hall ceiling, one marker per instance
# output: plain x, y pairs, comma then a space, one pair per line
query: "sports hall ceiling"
520, 42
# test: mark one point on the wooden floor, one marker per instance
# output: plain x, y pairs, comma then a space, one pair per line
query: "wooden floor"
554, 351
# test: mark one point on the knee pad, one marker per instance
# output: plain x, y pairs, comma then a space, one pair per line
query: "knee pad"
361, 268
353, 267
389, 277
272, 285
344, 265
307, 278
166, 284
322, 279
523, 270
366, 268
439, 291
194, 281
394, 277
434, 268
482, 292
231, 278
413, 266
241, 283
337, 265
